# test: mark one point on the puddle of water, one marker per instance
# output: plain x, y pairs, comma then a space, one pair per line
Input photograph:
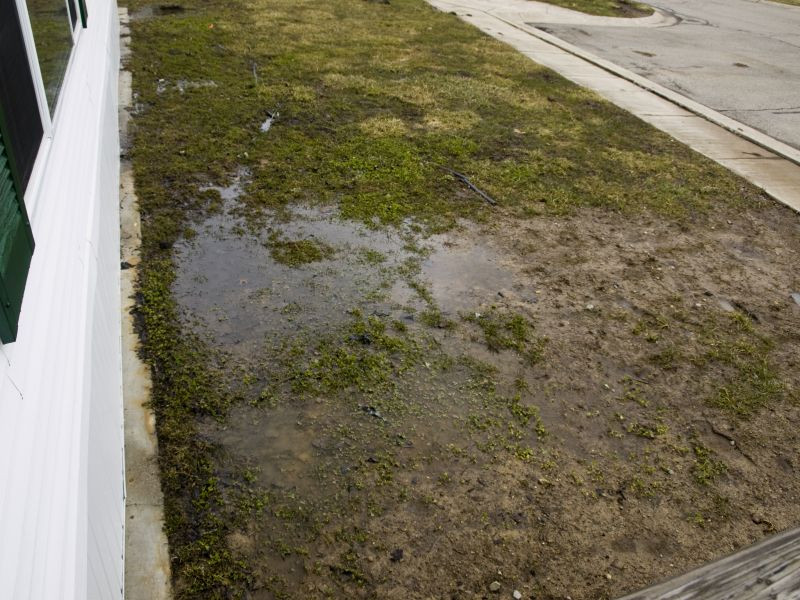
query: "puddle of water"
283, 444
265, 126
346, 471
184, 84
458, 274
232, 290
229, 283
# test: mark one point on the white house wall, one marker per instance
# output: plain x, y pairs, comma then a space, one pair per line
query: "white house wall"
61, 445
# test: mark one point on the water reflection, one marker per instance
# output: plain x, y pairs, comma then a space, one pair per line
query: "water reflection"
52, 35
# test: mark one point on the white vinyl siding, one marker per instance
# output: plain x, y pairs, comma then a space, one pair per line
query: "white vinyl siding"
61, 445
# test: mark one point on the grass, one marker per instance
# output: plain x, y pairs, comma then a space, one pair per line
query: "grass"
364, 356
706, 468
506, 331
751, 382
295, 253
363, 120
607, 8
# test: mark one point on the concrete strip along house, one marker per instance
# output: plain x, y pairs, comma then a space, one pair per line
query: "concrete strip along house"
61, 438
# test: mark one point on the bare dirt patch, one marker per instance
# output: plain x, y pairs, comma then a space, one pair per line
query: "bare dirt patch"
400, 454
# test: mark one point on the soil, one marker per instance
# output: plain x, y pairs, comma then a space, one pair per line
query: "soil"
430, 485
369, 382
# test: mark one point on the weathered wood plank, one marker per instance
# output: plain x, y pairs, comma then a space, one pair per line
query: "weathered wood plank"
769, 570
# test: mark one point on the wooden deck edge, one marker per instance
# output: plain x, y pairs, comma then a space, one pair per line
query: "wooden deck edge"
767, 569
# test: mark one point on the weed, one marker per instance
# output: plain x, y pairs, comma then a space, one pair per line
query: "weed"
503, 331
649, 432
706, 468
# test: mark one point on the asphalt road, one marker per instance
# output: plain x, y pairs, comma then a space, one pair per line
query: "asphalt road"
739, 57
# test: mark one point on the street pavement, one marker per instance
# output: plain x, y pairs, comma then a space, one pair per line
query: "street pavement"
738, 57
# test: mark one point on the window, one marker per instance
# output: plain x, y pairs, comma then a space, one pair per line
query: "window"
18, 101
52, 34
53, 25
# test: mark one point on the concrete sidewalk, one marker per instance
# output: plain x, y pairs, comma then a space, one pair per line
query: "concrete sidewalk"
738, 57
764, 161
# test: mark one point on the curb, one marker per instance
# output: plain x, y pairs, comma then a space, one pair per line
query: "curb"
752, 135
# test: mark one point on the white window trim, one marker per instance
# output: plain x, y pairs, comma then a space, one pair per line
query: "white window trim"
78, 21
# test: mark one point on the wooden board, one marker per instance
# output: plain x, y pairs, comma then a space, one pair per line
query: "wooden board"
769, 570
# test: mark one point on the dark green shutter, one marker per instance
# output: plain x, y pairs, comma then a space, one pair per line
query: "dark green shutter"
84, 12
16, 242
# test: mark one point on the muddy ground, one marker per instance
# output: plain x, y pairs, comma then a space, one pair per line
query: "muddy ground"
370, 382
572, 407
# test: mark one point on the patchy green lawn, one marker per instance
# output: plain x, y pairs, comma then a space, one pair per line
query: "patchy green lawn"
607, 8
370, 381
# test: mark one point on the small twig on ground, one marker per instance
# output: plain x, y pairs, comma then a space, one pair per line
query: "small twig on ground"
468, 183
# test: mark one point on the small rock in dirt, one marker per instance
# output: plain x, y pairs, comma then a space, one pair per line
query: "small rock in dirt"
726, 306
494, 586
517, 595
796, 297
396, 555
125, 265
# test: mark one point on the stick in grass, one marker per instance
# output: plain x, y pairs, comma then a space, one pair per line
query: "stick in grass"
468, 183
